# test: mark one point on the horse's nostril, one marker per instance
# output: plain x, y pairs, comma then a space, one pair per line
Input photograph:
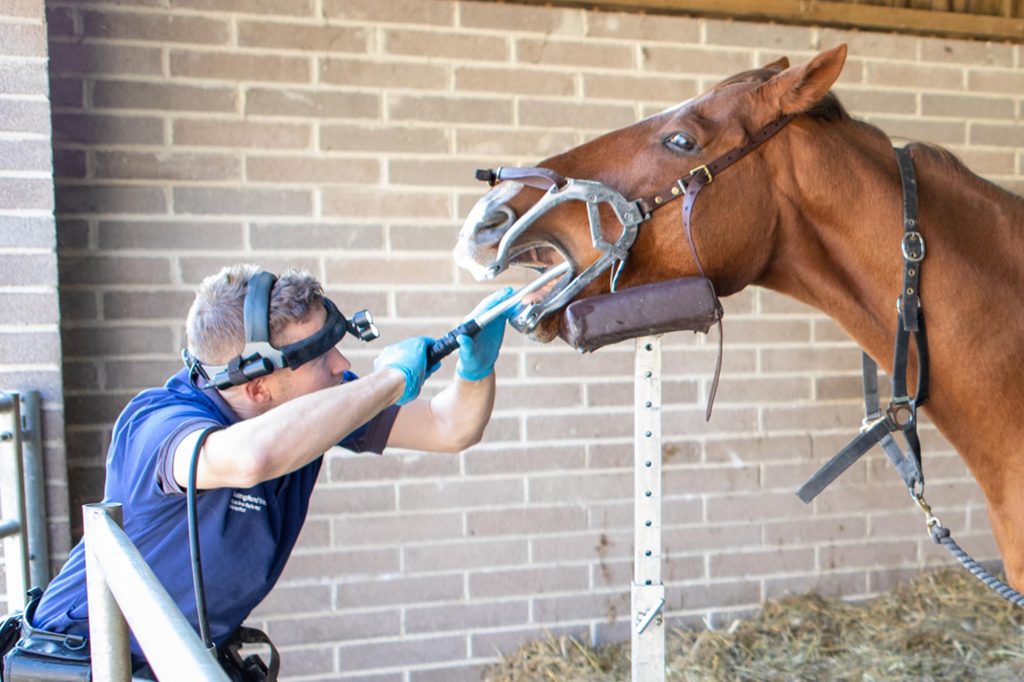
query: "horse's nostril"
494, 224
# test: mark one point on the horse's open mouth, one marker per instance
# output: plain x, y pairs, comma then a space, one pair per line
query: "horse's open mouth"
541, 257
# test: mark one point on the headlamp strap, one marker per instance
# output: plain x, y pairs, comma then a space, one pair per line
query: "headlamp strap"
257, 307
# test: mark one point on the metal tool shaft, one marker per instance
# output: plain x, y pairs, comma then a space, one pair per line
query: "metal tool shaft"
445, 345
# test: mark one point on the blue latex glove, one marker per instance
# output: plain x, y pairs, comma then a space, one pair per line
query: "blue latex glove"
410, 358
477, 354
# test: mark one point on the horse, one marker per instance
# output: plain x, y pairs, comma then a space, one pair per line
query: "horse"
814, 210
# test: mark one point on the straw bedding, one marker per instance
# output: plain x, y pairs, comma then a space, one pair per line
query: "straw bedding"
943, 625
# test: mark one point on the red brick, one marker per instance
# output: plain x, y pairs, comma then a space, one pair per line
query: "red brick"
396, 590
302, 37
465, 554
167, 166
105, 59
502, 144
574, 53
91, 129
286, 7
355, 138
527, 581
524, 81
459, 494
446, 109
139, 374
759, 35
195, 269
108, 340
404, 11
306, 169
697, 60
333, 564
162, 97
234, 67
334, 628
526, 520
645, 27
555, 114
401, 652
467, 616
631, 88
396, 74
224, 201
392, 204
396, 529
172, 305
226, 133
347, 467
314, 104
164, 28
296, 236
915, 76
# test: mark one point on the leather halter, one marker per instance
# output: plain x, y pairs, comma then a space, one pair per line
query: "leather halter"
629, 213
901, 414
687, 187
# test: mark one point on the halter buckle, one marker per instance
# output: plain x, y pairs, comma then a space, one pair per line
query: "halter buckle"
912, 246
707, 172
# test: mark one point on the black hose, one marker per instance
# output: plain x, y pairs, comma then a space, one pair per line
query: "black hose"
193, 541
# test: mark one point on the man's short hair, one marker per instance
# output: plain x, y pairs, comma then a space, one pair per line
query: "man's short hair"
215, 327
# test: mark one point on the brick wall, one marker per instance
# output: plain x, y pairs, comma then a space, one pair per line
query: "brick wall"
29, 313
341, 135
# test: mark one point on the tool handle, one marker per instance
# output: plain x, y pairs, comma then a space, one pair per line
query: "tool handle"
447, 344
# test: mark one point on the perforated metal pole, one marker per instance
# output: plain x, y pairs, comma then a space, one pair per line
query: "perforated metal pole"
648, 594
35, 490
12, 501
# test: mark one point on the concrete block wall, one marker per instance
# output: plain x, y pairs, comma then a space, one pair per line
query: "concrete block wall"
341, 136
30, 344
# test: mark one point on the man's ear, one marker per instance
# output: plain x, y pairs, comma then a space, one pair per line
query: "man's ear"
798, 88
258, 391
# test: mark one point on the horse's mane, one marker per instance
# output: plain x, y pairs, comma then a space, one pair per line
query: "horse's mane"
949, 163
829, 108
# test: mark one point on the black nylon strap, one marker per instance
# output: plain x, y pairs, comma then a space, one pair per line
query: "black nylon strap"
902, 412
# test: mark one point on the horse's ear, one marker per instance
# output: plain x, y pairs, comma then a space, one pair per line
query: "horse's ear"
798, 88
778, 65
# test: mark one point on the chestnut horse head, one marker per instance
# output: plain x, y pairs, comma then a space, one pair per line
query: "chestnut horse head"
735, 223
814, 212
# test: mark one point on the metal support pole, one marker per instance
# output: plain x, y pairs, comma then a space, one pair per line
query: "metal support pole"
35, 490
12, 501
648, 593
172, 647
108, 630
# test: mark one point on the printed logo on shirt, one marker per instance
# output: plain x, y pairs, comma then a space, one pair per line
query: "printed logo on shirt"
241, 502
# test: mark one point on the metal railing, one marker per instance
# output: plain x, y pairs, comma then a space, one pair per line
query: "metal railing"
123, 592
22, 496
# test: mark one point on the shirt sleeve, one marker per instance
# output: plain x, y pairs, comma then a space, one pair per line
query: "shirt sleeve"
165, 454
373, 435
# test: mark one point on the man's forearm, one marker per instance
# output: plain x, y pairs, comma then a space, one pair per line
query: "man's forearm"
290, 435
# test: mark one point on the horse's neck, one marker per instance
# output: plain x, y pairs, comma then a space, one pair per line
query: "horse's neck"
846, 261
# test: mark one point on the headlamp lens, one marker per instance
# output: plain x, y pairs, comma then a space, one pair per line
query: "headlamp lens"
361, 325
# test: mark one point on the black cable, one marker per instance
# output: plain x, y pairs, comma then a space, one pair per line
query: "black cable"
193, 541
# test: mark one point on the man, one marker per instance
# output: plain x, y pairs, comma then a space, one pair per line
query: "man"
259, 467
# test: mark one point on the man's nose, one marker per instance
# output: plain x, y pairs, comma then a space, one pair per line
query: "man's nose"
338, 362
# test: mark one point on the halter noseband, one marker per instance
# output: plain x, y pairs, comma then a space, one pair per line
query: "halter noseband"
630, 213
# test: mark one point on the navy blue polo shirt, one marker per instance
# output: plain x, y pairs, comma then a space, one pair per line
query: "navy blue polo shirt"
246, 535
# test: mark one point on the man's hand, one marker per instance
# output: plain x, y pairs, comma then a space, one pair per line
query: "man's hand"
410, 358
478, 354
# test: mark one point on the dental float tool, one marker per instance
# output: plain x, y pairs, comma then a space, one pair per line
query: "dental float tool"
445, 345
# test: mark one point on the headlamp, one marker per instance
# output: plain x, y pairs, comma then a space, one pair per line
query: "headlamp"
259, 358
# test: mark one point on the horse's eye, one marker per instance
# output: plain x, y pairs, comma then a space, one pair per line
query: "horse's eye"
679, 142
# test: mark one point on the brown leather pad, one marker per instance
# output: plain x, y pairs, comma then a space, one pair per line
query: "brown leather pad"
688, 304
